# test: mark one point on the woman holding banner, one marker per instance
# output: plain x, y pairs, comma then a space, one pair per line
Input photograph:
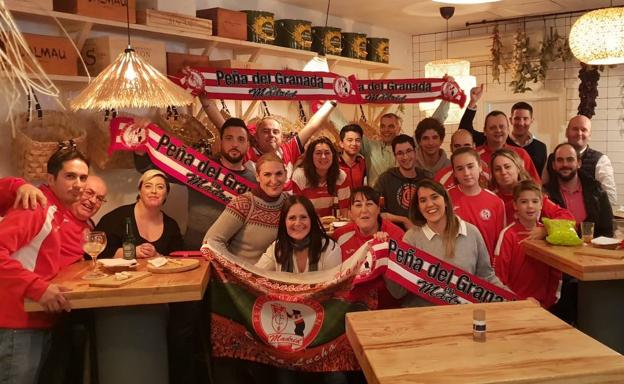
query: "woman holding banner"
302, 244
321, 180
440, 233
249, 223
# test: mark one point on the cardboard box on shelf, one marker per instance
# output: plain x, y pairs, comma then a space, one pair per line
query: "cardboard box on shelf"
226, 23
177, 61
101, 51
234, 64
182, 7
174, 22
56, 55
110, 10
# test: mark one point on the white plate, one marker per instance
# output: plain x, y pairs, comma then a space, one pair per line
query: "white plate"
602, 240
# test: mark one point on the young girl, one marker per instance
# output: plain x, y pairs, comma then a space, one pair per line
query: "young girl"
302, 244
439, 232
526, 276
476, 205
321, 180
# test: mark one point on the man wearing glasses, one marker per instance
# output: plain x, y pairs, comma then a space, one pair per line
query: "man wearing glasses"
397, 185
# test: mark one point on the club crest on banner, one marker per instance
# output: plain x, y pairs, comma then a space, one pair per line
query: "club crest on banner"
287, 326
134, 134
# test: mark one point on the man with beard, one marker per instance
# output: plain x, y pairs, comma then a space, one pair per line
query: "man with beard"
397, 185
570, 187
573, 189
593, 163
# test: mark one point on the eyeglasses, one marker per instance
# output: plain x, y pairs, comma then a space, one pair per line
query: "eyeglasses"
90, 193
401, 153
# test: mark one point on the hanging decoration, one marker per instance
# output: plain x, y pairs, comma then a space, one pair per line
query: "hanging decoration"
497, 54
130, 82
523, 71
588, 89
597, 37
554, 47
21, 72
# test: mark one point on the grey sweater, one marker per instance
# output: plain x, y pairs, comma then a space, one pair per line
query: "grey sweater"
471, 255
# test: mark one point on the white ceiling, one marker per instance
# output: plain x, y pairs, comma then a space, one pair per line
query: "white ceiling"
422, 16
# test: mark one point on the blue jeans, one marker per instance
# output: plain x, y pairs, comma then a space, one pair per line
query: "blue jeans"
21, 353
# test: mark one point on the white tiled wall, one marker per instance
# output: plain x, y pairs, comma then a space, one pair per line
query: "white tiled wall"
561, 83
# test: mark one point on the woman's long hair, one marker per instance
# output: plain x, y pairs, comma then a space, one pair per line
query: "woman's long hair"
318, 238
452, 223
309, 170
515, 159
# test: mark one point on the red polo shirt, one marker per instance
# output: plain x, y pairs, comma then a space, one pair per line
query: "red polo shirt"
356, 173
574, 202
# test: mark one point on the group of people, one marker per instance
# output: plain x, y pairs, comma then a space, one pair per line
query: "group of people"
471, 209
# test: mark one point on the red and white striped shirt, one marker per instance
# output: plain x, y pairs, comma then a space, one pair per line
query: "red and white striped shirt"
320, 197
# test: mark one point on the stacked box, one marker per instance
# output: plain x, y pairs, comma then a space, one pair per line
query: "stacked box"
99, 52
110, 10
225, 22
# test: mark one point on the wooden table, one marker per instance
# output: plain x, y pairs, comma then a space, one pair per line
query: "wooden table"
525, 344
154, 289
600, 289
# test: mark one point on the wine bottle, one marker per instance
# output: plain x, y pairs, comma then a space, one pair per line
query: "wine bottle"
129, 242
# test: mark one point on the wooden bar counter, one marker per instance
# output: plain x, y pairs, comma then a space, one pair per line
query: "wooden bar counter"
600, 311
525, 344
154, 289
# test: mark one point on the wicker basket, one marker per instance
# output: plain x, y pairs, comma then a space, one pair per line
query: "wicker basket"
191, 131
99, 141
370, 132
36, 140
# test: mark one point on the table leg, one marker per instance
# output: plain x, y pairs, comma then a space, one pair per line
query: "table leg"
601, 311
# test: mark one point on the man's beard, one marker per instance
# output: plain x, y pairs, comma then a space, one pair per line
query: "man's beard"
233, 160
566, 178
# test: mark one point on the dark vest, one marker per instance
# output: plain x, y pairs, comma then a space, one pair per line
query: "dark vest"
589, 159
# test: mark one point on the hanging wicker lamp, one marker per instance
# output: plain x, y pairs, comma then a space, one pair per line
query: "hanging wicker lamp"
597, 37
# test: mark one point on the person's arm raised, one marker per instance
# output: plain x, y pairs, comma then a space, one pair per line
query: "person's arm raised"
316, 122
212, 111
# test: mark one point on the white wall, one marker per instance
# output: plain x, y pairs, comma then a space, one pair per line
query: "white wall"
122, 183
559, 94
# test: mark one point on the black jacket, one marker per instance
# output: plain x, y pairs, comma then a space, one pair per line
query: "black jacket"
596, 201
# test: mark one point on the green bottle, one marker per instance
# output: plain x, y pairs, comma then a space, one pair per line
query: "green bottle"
129, 242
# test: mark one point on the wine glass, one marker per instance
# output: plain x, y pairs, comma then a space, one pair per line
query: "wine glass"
93, 244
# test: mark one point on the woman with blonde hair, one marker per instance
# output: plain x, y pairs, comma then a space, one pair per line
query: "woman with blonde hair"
507, 171
439, 232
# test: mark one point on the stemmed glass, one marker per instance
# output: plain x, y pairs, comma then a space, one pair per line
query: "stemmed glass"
93, 244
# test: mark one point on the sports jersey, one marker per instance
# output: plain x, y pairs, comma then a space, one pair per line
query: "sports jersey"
320, 197
289, 151
445, 176
549, 208
486, 211
356, 173
526, 276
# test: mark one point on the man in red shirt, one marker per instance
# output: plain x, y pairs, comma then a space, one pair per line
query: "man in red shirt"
350, 160
30, 244
268, 134
496, 130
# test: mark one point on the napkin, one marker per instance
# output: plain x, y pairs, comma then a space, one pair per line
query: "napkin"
158, 262
110, 263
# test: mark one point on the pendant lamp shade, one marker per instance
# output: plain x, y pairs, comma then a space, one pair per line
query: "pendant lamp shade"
130, 82
597, 37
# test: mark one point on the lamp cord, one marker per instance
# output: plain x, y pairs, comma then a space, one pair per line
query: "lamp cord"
327, 12
128, 20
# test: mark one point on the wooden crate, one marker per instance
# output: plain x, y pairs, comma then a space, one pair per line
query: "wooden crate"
35, 4
174, 22
226, 23
56, 55
109, 10
101, 51
182, 7
177, 61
